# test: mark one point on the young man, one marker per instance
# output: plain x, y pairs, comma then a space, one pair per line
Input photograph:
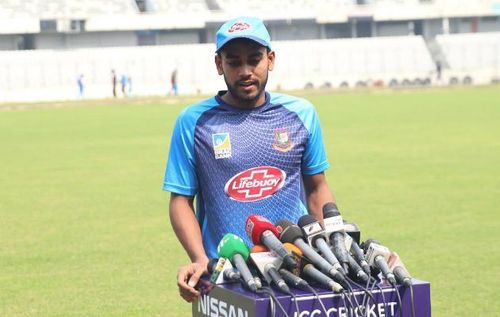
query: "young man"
242, 152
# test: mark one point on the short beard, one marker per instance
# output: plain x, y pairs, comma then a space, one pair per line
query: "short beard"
243, 98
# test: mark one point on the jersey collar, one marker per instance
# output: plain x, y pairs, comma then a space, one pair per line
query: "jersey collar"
227, 106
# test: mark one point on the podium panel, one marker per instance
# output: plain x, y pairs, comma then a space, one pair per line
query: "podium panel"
232, 300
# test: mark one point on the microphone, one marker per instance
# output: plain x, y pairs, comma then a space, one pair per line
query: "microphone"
258, 248
262, 231
399, 270
352, 231
315, 234
358, 255
294, 280
222, 265
233, 248
356, 270
377, 256
292, 234
334, 230
314, 274
267, 263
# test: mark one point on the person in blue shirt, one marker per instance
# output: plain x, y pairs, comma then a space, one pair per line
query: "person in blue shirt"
81, 85
244, 151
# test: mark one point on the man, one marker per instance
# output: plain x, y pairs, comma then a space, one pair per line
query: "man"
173, 83
113, 82
242, 152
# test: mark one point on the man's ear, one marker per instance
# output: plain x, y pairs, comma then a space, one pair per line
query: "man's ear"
271, 57
218, 63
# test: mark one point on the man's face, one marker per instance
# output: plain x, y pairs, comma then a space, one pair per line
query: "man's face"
245, 65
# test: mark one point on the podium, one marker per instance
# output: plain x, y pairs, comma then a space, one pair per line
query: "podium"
232, 300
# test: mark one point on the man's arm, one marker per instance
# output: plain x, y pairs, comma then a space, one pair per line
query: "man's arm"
317, 194
187, 229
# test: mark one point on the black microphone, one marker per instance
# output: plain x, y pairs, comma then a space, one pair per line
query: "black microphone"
315, 235
334, 229
352, 230
377, 256
268, 263
356, 270
359, 256
277, 279
317, 276
399, 270
291, 233
294, 280
222, 265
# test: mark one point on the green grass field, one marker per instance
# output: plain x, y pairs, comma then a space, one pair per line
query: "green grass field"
84, 227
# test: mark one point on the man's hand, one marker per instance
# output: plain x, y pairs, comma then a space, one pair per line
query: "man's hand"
187, 278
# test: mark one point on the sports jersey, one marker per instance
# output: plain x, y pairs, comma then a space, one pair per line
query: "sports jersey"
239, 162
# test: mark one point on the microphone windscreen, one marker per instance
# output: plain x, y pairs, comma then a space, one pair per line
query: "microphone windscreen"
283, 223
306, 220
329, 214
259, 248
230, 245
290, 233
331, 206
367, 243
256, 225
293, 248
352, 229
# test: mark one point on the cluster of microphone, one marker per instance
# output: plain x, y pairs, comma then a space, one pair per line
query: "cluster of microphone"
328, 255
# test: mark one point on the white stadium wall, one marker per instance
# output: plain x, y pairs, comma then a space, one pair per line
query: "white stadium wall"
35, 75
52, 74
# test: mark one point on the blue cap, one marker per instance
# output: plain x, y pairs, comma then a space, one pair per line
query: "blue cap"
243, 27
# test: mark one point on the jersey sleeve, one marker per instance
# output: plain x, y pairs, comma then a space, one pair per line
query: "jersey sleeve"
314, 160
180, 174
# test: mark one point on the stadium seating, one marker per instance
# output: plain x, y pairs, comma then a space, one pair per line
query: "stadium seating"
50, 9
471, 50
312, 63
471, 57
320, 62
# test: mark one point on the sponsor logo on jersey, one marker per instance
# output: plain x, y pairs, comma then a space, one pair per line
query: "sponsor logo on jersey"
282, 140
255, 183
222, 145
239, 26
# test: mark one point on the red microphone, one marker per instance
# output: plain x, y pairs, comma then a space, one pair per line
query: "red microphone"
262, 231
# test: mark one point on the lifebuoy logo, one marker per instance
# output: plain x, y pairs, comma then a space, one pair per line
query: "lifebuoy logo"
255, 183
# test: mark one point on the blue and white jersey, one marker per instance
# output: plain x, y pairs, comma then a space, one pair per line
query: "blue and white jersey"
239, 162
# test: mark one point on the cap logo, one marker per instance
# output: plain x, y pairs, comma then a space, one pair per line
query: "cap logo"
239, 26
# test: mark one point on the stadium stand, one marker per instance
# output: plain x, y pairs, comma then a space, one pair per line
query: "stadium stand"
472, 55
315, 63
178, 6
52, 9
351, 61
321, 43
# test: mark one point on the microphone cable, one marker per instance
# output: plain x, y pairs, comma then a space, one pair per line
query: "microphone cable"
400, 302
375, 285
294, 299
272, 297
412, 301
366, 291
358, 306
296, 303
319, 299
351, 305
